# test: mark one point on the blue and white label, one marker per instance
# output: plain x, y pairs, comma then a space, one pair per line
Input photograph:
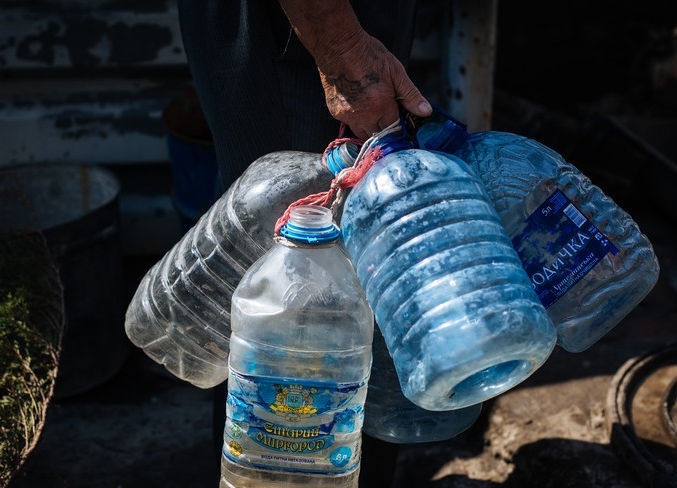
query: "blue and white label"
558, 246
293, 425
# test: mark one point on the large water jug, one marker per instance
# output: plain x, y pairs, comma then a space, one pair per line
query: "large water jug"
300, 357
457, 310
392, 417
586, 257
180, 313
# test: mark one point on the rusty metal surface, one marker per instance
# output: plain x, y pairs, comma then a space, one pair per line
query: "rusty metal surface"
468, 57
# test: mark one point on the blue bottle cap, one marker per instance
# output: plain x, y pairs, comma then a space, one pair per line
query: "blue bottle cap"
310, 224
444, 136
341, 157
394, 142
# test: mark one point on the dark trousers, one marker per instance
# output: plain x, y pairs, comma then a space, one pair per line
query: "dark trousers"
260, 92
258, 87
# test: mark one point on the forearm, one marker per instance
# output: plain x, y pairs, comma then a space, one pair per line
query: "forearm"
326, 28
362, 81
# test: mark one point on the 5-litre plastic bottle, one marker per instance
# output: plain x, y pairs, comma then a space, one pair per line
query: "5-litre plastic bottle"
300, 357
586, 257
392, 417
180, 312
457, 310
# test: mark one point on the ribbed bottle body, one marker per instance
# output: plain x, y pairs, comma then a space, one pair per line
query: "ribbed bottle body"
391, 417
457, 311
586, 257
300, 358
204, 267
180, 312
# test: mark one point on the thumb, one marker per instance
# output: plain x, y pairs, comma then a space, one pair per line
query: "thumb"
412, 101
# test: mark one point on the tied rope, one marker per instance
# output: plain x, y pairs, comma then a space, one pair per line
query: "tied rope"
370, 152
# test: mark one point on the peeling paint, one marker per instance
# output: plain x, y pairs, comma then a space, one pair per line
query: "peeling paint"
106, 34
76, 123
93, 42
112, 121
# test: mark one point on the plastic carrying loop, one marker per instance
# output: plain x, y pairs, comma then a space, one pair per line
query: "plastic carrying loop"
444, 135
393, 141
449, 117
310, 224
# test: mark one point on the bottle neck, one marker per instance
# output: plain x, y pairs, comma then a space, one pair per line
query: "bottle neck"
310, 224
341, 157
440, 132
344, 155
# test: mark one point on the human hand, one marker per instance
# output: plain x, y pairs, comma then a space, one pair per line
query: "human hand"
365, 86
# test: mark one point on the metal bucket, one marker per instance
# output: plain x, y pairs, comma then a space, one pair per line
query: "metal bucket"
76, 208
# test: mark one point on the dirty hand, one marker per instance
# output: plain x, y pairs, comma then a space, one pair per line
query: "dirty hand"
365, 86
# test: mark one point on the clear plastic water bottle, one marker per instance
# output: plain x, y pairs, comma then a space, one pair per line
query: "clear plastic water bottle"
299, 364
586, 257
390, 416
457, 310
180, 313
203, 269
393, 418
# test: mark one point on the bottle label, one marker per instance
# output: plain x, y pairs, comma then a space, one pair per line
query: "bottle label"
293, 425
558, 246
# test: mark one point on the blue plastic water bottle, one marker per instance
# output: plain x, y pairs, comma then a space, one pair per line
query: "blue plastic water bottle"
392, 417
456, 309
389, 415
585, 256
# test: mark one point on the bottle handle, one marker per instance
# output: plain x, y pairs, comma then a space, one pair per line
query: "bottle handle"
439, 115
449, 117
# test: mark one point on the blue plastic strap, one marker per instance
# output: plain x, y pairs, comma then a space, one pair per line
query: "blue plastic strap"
394, 142
445, 135
449, 117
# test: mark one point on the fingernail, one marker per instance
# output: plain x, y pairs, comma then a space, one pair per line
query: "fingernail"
425, 107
